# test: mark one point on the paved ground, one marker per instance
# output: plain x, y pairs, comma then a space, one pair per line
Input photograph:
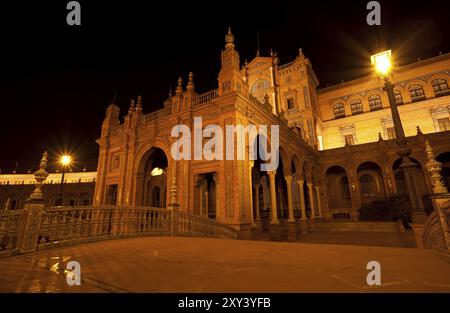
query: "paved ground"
361, 238
165, 264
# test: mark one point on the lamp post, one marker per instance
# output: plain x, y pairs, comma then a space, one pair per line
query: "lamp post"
64, 162
383, 66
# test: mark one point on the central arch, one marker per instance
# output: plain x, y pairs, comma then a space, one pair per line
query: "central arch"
153, 184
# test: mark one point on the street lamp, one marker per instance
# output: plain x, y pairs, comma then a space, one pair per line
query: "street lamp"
383, 66
64, 161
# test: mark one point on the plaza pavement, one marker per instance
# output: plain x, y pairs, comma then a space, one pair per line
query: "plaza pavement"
168, 264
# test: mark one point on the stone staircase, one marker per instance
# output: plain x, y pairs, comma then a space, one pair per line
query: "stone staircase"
357, 226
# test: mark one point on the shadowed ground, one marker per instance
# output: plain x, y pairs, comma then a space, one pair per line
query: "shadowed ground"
167, 264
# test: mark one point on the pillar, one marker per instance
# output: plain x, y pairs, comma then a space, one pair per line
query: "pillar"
206, 202
252, 218
311, 200
292, 230
319, 201
275, 230
303, 219
256, 204
273, 198
289, 198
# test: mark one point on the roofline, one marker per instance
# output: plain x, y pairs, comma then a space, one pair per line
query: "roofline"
402, 68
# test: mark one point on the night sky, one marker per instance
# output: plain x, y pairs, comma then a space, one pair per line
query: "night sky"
57, 80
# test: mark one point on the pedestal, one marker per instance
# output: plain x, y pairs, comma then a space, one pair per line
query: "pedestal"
304, 227
246, 232
275, 232
418, 234
292, 231
29, 231
419, 217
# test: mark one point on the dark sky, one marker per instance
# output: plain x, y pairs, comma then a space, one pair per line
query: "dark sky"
56, 81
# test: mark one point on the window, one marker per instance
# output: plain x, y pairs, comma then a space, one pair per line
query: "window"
416, 92
440, 87
339, 110
290, 103
398, 97
390, 132
349, 140
375, 103
356, 106
366, 185
444, 124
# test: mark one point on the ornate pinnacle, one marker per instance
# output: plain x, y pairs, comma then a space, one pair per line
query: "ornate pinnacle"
179, 89
190, 85
131, 109
40, 175
139, 104
229, 39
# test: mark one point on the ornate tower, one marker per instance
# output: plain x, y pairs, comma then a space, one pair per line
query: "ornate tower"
230, 77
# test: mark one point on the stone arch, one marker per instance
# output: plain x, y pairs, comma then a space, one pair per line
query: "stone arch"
337, 186
411, 186
147, 176
371, 181
144, 151
437, 76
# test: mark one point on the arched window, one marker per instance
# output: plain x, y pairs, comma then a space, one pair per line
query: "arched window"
398, 97
356, 106
366, 185
416, 92
375, 103
440, 87
339, 110
290, 103
345, 189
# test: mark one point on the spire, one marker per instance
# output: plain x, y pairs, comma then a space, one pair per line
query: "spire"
114, 99
170, 92
229, 39
190, 85
131, 109
179, 89
257, 39
139, 104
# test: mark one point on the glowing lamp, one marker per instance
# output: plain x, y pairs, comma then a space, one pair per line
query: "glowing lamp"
382, 62
65, 160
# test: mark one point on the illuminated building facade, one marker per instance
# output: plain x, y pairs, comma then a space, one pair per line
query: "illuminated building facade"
337, 145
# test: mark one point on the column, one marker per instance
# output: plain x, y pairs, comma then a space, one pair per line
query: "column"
300, 183
256, 204
201, 199
289, 198
252, 218
207, 202
311, 200
216, 184
319, 202
273, 198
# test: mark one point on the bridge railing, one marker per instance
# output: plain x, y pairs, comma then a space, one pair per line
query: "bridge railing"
71, 225
10, 222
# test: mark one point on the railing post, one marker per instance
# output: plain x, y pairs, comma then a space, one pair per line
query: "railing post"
28, 238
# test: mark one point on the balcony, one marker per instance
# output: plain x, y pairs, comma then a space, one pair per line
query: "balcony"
442, 93
418, 98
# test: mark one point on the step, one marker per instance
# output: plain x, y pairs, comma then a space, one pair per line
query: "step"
358, 226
